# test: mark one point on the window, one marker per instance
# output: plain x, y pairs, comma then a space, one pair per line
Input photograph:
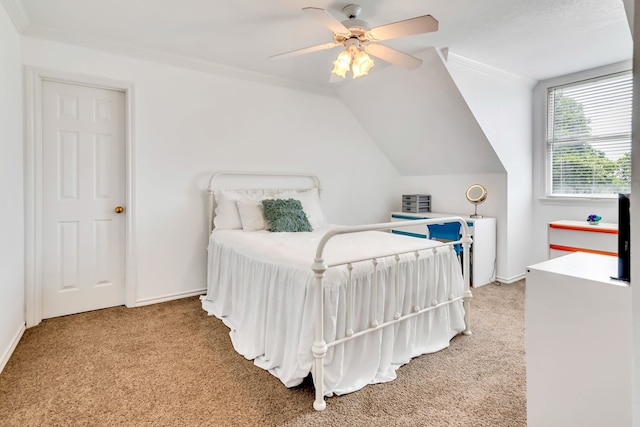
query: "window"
589, 137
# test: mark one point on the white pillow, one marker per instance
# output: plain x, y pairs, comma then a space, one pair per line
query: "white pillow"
227, 215
251, 215
310, 200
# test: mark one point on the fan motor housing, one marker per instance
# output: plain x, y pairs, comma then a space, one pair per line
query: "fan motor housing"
357, 29
352, 11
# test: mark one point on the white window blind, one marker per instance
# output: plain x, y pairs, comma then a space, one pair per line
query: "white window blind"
589, 137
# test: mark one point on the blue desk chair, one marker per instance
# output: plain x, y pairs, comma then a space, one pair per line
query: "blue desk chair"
449, 231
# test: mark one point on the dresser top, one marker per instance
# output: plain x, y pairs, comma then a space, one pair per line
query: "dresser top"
583, 265
603, 227
438, 215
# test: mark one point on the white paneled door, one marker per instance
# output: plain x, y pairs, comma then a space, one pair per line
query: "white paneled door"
83, 222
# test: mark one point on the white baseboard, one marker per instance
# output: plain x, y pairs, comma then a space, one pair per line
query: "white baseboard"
170, 297
512, 279
12, 346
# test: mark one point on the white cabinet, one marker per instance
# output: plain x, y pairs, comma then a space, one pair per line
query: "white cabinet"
565, 237
483, 248
578, 343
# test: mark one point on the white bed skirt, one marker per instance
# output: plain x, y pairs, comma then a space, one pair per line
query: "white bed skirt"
270, 305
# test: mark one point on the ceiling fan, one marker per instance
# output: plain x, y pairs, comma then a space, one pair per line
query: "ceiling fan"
360, 41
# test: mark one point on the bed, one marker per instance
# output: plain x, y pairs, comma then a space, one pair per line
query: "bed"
347, 304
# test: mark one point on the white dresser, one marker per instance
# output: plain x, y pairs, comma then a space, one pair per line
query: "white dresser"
483, 248
565, 237
578, 343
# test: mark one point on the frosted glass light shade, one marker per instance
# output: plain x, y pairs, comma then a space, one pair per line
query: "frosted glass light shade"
342, 63
362, 63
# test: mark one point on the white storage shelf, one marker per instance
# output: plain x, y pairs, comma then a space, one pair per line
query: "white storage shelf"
483, 248
416, 203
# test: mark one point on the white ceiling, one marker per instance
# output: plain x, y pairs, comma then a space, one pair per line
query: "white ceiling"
534, 39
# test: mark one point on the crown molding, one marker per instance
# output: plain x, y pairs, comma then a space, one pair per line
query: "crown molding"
136, 52
488, 69
18, 14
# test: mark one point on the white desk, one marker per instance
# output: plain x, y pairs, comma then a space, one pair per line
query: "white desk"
483, 248
578, 343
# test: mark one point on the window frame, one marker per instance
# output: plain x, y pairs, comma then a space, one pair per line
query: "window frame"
541, 168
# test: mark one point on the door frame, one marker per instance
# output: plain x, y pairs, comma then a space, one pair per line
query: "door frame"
33, 192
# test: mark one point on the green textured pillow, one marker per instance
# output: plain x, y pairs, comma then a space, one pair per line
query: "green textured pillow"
285, 215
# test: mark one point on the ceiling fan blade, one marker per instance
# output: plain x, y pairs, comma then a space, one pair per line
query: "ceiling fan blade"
305, 50
408, 27
326, 19
393, 56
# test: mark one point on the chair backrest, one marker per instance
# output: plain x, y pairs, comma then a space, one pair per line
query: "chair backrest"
448, 231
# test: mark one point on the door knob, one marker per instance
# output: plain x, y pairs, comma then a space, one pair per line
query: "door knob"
118, 209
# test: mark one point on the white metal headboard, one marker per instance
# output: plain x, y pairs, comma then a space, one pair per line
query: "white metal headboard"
279, 180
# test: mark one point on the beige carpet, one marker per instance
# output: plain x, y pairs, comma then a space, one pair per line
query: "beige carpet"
171, 365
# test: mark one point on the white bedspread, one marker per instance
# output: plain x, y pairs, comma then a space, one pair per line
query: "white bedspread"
261, 285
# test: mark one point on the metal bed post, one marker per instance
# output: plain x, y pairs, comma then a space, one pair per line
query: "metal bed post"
467, 296
319, 347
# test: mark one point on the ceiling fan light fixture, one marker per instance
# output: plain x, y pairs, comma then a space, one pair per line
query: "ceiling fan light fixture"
361, 65
354, 34
353, 58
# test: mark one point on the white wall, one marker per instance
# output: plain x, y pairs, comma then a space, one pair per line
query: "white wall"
420, 120
501, 103
445, 127
448, 192
189, 124
12, 317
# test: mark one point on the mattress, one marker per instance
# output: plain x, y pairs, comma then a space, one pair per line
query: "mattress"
260, 284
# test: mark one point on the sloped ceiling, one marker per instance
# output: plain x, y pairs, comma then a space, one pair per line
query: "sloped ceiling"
420, 120
534, 39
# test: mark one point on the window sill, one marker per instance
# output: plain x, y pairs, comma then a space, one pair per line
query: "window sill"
577, 201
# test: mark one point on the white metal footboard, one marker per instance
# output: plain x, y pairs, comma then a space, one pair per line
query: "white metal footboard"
319, 267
